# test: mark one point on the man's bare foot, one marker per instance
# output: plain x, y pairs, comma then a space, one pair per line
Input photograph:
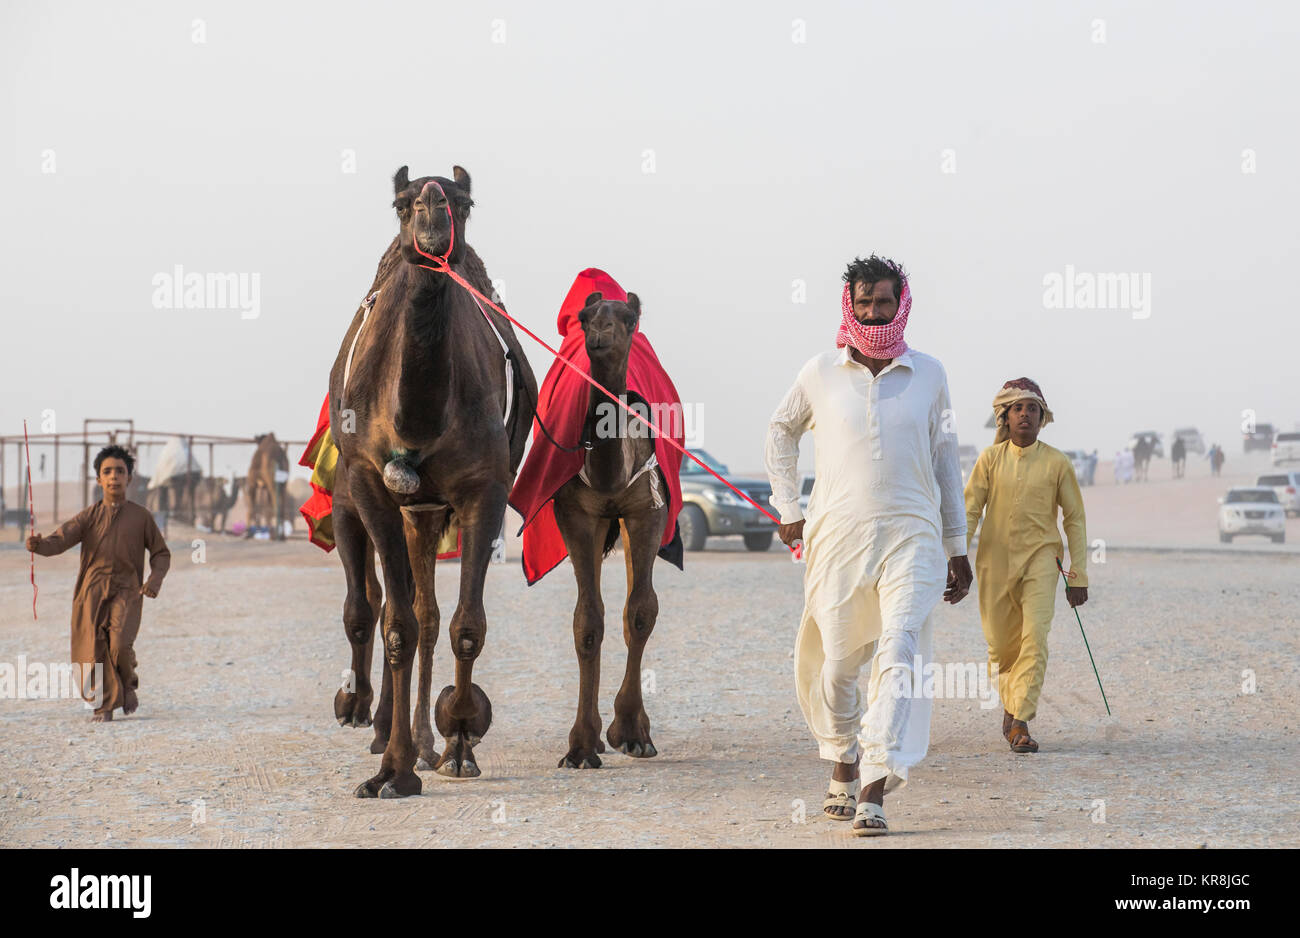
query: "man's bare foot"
98, 717
842, 772
130, 702
1006, 723
875, 794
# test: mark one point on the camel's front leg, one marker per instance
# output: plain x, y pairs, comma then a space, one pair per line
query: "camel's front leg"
463, 712
353, 699
422, 530
584, 536
630, 730
396, 776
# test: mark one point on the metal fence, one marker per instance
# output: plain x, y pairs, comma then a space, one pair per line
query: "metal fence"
97, 432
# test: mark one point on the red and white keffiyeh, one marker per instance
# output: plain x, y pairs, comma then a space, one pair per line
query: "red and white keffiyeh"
874, 341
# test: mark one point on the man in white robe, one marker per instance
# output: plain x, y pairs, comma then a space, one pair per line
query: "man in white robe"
885, 533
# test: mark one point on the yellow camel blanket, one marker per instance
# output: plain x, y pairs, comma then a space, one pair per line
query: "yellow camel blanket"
322, 458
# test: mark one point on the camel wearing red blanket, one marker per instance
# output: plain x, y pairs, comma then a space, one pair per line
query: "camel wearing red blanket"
564, 406
618, 478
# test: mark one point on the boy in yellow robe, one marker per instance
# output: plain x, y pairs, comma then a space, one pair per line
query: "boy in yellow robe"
1018, 484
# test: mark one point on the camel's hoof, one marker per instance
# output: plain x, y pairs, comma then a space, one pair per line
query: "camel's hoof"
377, 746
364, 790
351, 709
578, 761
402, 787
638, 750
400, 477
453, 768
632, 739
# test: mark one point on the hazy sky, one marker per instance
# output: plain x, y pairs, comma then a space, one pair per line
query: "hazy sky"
785, 138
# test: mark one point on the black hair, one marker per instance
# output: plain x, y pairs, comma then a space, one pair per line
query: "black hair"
116, 452
872, 270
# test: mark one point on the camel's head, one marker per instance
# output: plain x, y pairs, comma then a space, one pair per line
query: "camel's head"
422, 206
609, 326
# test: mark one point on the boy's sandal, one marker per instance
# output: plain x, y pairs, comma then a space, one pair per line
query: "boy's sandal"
841, 795
1019, 737
867, 813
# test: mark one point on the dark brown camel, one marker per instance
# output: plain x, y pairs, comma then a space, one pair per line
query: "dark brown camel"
268, 471
1143, 450
590, 512
418, 407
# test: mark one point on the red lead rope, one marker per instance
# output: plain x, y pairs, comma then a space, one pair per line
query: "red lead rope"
444, 267
31, 511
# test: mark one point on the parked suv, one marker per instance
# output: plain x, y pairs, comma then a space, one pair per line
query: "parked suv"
1158, 449
1192, 440
1286, 447
1260, 438
1251, 510
1286, 485
710, 509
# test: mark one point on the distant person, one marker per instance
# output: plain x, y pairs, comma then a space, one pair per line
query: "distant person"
1017, 485
114, 535
1178, 456
884, 526
1092, 468
1216, 458
1124, 466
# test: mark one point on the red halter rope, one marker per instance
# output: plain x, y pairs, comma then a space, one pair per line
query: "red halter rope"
31, 511
444, 267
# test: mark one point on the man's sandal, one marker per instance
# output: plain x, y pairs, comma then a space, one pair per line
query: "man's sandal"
1018, 736
867, 813
841, 795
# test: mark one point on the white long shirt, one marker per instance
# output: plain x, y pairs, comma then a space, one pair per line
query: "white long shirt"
886, 449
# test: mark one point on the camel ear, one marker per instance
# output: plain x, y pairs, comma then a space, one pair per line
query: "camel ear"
401, 181
461, 177
634, 304
593, 298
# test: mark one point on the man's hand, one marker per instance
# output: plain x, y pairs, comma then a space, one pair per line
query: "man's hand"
149, 591
33, 542
959, 579
1076, 595
789, 533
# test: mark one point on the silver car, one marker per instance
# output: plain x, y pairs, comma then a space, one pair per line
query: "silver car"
1193, 442
1251, 510
1286, 447
1286, 485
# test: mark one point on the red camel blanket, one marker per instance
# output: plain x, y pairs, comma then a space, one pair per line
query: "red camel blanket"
562, 405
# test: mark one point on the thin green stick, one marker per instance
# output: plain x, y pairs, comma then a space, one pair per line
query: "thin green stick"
1085, 640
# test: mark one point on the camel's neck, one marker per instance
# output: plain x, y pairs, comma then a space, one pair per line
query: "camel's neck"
618, 437
425, 361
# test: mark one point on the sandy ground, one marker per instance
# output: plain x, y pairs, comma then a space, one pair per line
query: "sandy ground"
235, 744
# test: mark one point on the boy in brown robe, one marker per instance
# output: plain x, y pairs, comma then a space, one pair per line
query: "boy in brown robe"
113, 534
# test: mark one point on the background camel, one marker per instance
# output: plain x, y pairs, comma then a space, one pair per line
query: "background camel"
418, 409
1143, 449
213, 501
267, 474
612, 495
